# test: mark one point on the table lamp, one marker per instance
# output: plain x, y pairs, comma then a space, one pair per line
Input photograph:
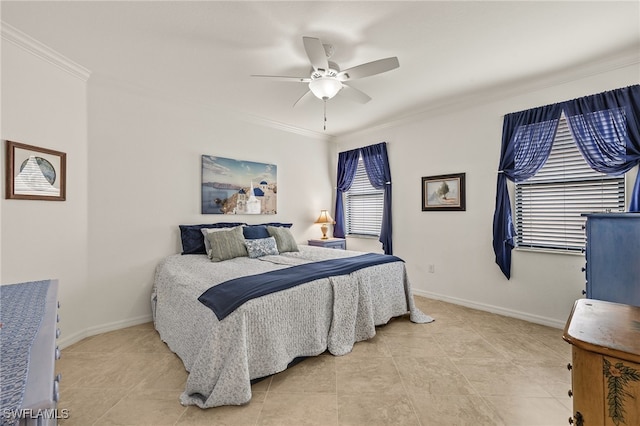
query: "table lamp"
324, 218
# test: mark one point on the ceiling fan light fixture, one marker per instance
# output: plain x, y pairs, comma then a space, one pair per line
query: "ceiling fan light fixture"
325, 87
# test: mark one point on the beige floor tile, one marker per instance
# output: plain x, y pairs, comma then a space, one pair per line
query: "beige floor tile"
314, 374
144, 407
169, 374
553, 376
467, 344
413, 346
521, 346
454, 410
295, 409
376, 375
375, 347
76, 366
523, 411
372, 409
494, 377
244, 415
119, 370
433, 376
85, 406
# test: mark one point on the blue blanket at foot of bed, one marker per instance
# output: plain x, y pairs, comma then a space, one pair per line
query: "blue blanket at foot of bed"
226, 297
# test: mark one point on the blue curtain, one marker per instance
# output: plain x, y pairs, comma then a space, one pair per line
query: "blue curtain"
347, 166
606, 127
376, 163
527, 137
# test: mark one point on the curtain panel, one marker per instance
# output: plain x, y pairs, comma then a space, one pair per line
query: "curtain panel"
347, 166
376, 163
606, 127
527, 137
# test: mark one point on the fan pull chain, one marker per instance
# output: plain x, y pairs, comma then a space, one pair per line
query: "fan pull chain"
324, 125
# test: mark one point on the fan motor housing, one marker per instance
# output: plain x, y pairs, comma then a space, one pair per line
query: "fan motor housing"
333, 71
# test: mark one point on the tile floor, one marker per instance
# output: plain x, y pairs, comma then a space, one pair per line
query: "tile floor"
467, 368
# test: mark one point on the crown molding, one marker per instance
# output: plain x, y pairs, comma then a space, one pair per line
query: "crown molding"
624, 58
36, 48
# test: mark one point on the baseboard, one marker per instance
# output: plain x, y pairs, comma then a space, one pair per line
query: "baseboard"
65, 341
550, 322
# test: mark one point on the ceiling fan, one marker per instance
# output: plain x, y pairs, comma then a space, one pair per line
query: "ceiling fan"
326, 79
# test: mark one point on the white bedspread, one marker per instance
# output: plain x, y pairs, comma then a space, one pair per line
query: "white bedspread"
264, 335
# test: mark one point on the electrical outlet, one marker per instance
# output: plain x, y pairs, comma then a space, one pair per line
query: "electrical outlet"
432, 269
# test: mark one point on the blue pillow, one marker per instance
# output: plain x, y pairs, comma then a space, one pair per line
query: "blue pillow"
255, 232
193, 240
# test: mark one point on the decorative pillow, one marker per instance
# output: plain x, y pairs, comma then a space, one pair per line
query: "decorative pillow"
278, 224
207, 244
252, 232
261, 247
284, 238
226, 244
192, 239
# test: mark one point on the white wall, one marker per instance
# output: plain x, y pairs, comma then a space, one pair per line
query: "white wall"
144, 180
467, 139
44, 104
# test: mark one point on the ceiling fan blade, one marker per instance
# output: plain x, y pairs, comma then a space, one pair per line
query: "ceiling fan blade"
315, 52
370, 68
354, 94
284, 78
307, 95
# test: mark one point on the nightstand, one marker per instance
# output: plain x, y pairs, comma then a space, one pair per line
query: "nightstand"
333, 243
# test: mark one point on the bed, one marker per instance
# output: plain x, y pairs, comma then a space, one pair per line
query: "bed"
263, 335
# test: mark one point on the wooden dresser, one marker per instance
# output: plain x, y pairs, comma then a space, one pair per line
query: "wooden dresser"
605, 369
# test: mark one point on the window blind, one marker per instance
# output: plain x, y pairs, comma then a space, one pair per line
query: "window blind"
363, 205
549, 205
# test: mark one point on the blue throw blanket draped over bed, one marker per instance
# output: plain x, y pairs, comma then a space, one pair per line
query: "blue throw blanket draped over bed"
226, 297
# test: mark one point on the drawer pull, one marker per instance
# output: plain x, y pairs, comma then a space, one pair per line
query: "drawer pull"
58, 353
56, 391
58, 332
569, 367
584, 292
577, 419
58, 377
570, 393
57, 318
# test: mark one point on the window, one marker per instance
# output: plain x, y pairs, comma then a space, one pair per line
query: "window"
363, 205
550, 204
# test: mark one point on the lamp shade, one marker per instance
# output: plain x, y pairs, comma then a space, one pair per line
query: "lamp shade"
324, 217
325, 87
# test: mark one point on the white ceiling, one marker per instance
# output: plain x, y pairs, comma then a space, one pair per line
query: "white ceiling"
205, 51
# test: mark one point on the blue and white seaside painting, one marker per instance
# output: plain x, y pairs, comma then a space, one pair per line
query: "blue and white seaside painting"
238, 187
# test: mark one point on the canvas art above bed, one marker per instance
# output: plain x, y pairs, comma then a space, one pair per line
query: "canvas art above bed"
237, 310
238, 187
